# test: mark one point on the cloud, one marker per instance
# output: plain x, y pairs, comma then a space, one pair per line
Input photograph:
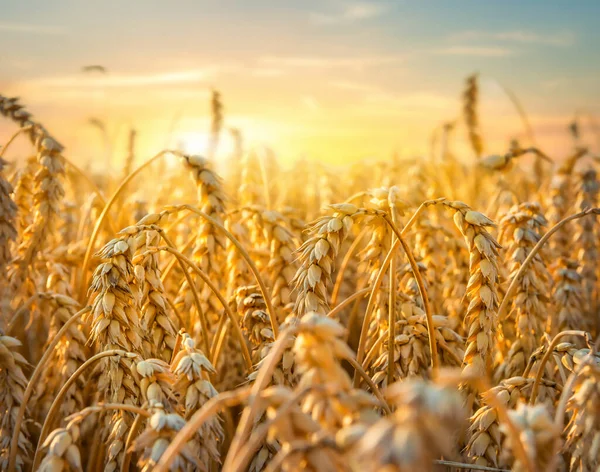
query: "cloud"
553, 84
418, 100
125, 80
569, 82
26, 28
350, 14
266, 72
564, 38
365, 91
479, 51
329, 62
379, 101
18, 63
354, 86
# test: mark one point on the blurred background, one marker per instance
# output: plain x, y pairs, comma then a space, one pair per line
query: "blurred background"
329, 80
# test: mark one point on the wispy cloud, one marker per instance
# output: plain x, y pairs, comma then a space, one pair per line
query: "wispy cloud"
354, 86
553, 84
479, 51
374, 96
569, 82
265, 72
564, 38
329, 62
351, 13
125, 80
27, 28
418, 100
310, 102
17, 63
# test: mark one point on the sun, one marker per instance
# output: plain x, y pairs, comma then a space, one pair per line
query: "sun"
194, 142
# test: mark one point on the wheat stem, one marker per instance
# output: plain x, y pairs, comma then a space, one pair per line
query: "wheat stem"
344, 265
356, 295
548, 353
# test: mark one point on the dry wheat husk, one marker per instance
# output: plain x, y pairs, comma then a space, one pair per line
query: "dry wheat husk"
470, 113
538, 434
286, 371
583, 429
155, 317
48, 191
319, 350
152, 443
568, 298
12, 387
319, 452
425, 426
255, 321
71, 350
282, 264
115, 325
209, 244
23, 193
586, 238
412, 357
8, 211
193, 389
63, 452
525, 324
317, 256
485, 443
480, 318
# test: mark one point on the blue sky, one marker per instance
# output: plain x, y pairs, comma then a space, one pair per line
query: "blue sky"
303, 76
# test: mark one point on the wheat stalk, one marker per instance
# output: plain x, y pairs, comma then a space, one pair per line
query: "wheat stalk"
12, 387
8, 210
471, 115
521, 228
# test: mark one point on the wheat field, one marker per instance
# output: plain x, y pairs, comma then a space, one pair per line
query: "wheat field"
437, 314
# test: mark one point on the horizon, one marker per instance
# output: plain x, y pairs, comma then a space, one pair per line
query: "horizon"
334, 81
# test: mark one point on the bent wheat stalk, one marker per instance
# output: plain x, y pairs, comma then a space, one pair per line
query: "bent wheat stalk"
259, 434
502, 411
210, 408
264, 376
132, 432
422, 291
361, 293
35, 376
342, 270
11, 140
230, 314
193, 289
259, 280
382, 270
94, 189
103, 215
515, 281
63, 391
548, 353
564, 399
377, 283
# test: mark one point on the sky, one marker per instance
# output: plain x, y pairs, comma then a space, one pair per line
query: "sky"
331, 80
